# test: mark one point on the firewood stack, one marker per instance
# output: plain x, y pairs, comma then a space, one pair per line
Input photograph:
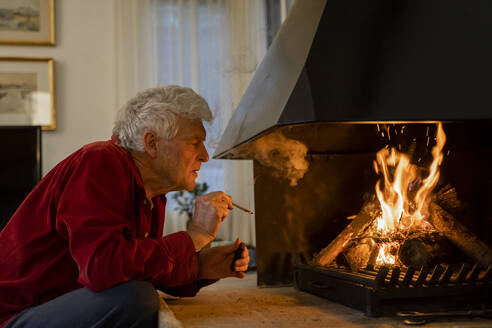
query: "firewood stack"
357, 247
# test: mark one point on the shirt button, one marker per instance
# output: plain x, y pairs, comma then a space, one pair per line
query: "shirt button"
146, 234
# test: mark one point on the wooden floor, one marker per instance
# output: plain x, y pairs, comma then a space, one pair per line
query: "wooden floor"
240, 303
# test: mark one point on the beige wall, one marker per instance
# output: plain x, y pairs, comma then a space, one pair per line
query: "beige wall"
84, 76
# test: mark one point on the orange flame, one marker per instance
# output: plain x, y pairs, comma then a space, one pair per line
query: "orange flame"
384, 256
399, 210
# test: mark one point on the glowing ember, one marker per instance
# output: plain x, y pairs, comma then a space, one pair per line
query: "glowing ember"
403, 193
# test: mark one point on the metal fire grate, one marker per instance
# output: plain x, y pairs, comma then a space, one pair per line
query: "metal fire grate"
393, 289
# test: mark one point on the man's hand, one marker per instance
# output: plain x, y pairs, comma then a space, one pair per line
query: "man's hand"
215, 262
210, 210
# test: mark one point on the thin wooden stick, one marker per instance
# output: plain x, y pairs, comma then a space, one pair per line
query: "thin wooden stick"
242, 208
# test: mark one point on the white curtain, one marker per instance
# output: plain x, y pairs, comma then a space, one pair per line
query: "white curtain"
135, 53
212, 46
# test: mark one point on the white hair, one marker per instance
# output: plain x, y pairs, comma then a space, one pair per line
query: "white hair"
158, 109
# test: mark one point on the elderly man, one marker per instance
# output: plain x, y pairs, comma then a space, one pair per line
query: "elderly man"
86, 249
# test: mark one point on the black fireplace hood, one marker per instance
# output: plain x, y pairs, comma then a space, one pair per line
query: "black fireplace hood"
367, 61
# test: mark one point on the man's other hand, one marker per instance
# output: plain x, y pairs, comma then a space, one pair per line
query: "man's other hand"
210, 210
215, 262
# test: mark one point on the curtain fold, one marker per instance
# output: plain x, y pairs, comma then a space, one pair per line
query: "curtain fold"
245, 45
135, 47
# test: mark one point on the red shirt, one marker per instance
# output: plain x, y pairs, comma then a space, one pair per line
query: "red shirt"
88, 223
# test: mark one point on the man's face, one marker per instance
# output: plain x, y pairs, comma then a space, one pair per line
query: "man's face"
179, 159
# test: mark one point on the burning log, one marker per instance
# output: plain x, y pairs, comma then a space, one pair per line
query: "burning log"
356, 256
425, 249
459, 235
447, 198
354, 229
371, 263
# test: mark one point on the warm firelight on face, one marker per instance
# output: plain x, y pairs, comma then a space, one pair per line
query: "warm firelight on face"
402, 192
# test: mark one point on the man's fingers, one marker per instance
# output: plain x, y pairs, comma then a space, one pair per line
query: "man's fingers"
221, 209
237, 274
227, 198
241, 262
241, 275
229, 202
233, 247
222, 203
221, 199
223, 214
241, 268
241, 257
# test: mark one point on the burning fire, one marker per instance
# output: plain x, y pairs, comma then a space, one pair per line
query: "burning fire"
403, 193
385, 256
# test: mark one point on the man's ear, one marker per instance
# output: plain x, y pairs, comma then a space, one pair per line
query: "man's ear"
150, 143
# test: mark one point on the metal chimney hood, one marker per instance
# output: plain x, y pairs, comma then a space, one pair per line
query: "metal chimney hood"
366, 61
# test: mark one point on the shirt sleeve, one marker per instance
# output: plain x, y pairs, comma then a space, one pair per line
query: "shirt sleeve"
93, 215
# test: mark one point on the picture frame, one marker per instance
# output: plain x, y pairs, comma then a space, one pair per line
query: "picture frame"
27, 22
27, 95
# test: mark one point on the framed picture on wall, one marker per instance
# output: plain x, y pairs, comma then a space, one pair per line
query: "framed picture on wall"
27, 22
27, 92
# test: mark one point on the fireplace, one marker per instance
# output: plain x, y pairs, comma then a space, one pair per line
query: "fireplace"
294, 223
436, 264
341, 81
304, 218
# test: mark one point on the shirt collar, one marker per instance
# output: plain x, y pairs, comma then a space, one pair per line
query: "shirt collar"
133, 167
136, 172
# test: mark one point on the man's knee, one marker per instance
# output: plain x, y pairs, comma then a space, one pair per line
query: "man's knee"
130, 304
136, 295
133, 303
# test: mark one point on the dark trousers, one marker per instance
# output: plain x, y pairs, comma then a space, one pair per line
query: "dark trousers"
130, 304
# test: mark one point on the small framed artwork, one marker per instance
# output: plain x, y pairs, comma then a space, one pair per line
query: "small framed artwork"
27, 92
27, 22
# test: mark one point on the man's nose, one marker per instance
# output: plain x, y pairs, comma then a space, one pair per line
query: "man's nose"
203, 156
